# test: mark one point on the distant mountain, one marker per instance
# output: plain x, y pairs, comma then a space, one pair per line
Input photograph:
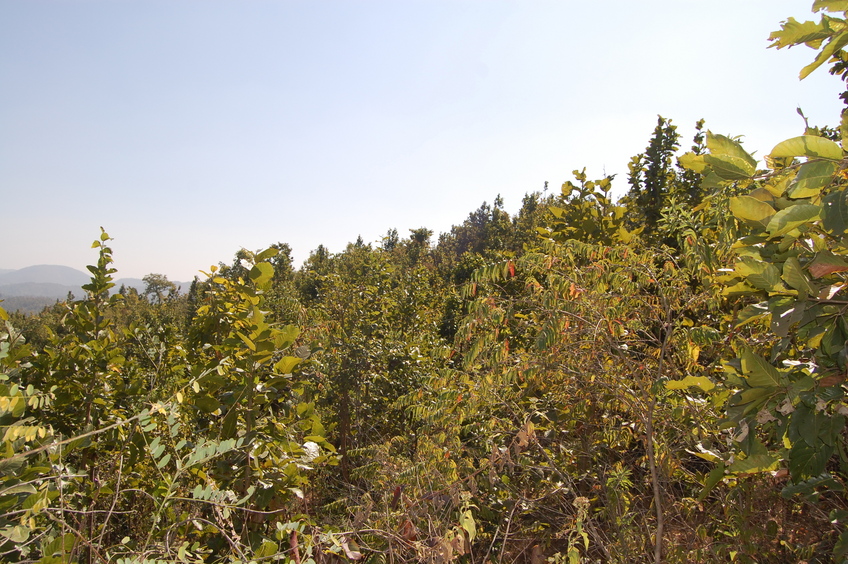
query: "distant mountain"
46, 283
45, 274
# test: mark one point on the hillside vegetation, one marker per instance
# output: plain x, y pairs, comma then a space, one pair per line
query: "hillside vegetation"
660, 378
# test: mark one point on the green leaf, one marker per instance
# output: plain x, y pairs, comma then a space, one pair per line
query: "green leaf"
466, 521
206, 403
752, 312
21, 488
793, 33
830, 5
751, 209
285, 336
17, 534
812, 177
791, 218
261, 273
836, 43
268, 253
758, 370
785, 313
804, 425
807, 488
693, 162
266, 550
794, 275
806, 461
760, 275
246, 340
843, 129
731, 154
738, 289
728, 168
811, 146
715, 476
754, 464
835, 212
287, 364
758, 458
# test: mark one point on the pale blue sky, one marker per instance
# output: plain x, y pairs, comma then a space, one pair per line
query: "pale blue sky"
190, 129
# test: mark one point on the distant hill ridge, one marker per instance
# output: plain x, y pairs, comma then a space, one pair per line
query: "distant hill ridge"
45, 274
50, 282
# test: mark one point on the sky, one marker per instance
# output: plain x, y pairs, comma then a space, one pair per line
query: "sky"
189, 129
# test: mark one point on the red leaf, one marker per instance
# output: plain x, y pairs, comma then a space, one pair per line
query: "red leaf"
831, 380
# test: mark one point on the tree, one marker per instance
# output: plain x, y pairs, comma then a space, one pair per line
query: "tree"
157, 288
651, 176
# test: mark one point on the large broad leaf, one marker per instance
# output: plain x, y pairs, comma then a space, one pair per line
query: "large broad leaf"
751, 209
835, 212
829, 50
758, 371
738, 289
285, 336
827, 263
758, 460
806, 425
843, 129
785, 312
728, 168
795, 277
793, 32
728, 157
268, 253
261, 273
806, 461
287, 364
206, 403
693, 162
811, 146
760, 275
830, 5
791, 218
754, 464
16, 533
812, 177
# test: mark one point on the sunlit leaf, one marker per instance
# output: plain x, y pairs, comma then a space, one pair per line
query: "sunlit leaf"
700, 382
261, 273
811, 178
751, 209
793, 32
811, 146
830, 5
791, 218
